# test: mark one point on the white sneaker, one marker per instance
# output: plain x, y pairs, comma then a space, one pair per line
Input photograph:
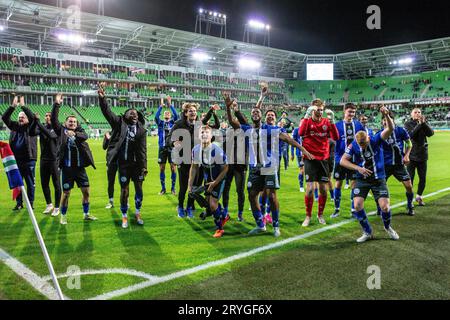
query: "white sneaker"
257, 230
55, 212
276, 232
139, 219
364, 237
63, 220
302, 189
321, 220
306, 222
391, 232
335, 214
109, 205
124, 222
48, 209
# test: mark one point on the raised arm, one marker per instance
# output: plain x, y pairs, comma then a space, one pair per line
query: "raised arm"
56, 125
286, 138
158, 115
233, 122
6, 117
111, 117
175, 115
386, 133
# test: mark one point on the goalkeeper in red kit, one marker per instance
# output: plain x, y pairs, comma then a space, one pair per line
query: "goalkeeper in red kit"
315, 131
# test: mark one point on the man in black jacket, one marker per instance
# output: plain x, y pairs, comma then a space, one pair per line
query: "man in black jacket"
48, 140
74, 156
418, 130
127, 147
181, 129
23, 144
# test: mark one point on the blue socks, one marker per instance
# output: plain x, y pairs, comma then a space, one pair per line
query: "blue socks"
275, 218
337, 198
332, 194
363, 221
86, 208
409, 198
352, 195
316, 194
300, 180
63, 210
138, 201
386, 218
162, 178
124, 210
174, 179
258, 218
217, 218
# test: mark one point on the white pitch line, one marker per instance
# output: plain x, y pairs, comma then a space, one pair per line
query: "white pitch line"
32, 278
175, 275
41, 284
129, 272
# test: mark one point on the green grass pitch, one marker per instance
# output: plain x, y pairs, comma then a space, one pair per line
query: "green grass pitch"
326, 265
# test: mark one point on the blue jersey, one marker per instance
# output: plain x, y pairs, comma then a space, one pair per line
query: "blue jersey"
212, 159
260, 144
297, 138
283, 145
164, 127
393, 147
371, 157
347, 132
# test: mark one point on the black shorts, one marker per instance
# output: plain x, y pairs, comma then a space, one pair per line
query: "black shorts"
316, 170
378, 186
341, 173
259, 182
164, 155
330, 165
129, 171
217, 191
71, 175
398, 171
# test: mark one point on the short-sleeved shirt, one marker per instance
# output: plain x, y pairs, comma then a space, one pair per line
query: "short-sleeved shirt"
212, 159
371, 157
260, 144
347, 132
393, 147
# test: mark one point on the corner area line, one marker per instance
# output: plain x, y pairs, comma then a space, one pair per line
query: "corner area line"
182, 273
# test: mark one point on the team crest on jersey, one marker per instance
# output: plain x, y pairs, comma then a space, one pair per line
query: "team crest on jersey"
349, 131
66, 186
367, 154
390, 141
123, 179
307, 177
325, 127
249, 184
356, 191
336, 175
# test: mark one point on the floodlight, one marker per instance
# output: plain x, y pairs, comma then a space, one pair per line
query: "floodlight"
248, 63
200, 56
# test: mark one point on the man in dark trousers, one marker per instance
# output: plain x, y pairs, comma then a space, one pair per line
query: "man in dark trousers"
74, 156
418, 130
127, 147
48, 140
23, 144
111, 172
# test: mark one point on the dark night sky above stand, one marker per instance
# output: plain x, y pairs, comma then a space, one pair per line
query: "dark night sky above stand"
313, 26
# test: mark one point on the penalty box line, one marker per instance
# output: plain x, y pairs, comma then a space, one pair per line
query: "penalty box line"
208, 265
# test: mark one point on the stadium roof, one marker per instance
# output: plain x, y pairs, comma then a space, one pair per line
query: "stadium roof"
37, 26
